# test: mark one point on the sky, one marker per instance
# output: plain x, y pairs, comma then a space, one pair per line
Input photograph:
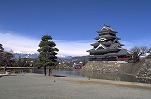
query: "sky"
72, 23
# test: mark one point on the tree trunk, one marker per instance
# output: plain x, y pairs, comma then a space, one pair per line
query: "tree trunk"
49, 71
45, 70
5, 68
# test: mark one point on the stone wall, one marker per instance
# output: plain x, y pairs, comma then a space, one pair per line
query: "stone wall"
142, 68
102, 66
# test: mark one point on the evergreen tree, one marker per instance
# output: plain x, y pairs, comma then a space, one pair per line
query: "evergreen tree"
1, 54
47, 53
1, 48
19, 62
8, 59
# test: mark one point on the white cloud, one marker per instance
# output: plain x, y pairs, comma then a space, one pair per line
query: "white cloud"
73, 48
22, 44
18, 43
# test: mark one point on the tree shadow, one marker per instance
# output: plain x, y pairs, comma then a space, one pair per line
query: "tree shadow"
58, 76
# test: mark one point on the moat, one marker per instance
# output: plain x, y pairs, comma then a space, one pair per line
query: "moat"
78, 73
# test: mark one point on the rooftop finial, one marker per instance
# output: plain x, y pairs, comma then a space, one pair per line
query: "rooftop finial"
106, 25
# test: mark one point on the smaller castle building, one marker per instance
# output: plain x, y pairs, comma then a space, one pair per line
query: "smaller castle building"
107, 47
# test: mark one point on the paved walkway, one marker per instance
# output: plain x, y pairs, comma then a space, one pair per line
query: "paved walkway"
36, 86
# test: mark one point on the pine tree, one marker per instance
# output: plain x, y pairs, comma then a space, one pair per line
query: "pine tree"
6, 58
47, 53
1, 54
1, 48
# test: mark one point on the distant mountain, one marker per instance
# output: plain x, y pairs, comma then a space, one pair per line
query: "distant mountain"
34, 55
64, 59
72, 60
80, 58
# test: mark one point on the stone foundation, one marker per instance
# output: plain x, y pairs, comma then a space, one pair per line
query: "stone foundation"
102, 66
142, 68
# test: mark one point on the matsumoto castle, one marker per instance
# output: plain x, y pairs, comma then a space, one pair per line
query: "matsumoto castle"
107, 47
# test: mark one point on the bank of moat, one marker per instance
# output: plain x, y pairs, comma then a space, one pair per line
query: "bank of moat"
103, 66
139, 69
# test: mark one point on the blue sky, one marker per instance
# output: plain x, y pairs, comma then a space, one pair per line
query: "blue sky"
72, 23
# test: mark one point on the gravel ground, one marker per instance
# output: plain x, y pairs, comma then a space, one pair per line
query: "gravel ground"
36, 86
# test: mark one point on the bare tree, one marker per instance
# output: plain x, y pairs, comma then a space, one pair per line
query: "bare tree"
144, 50
136, 52
149, 56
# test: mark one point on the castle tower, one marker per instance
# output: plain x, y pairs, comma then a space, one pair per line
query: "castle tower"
107, 47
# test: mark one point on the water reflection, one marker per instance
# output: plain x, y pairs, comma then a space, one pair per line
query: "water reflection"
68, 72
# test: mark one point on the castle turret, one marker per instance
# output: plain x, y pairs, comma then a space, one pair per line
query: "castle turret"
107, 47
